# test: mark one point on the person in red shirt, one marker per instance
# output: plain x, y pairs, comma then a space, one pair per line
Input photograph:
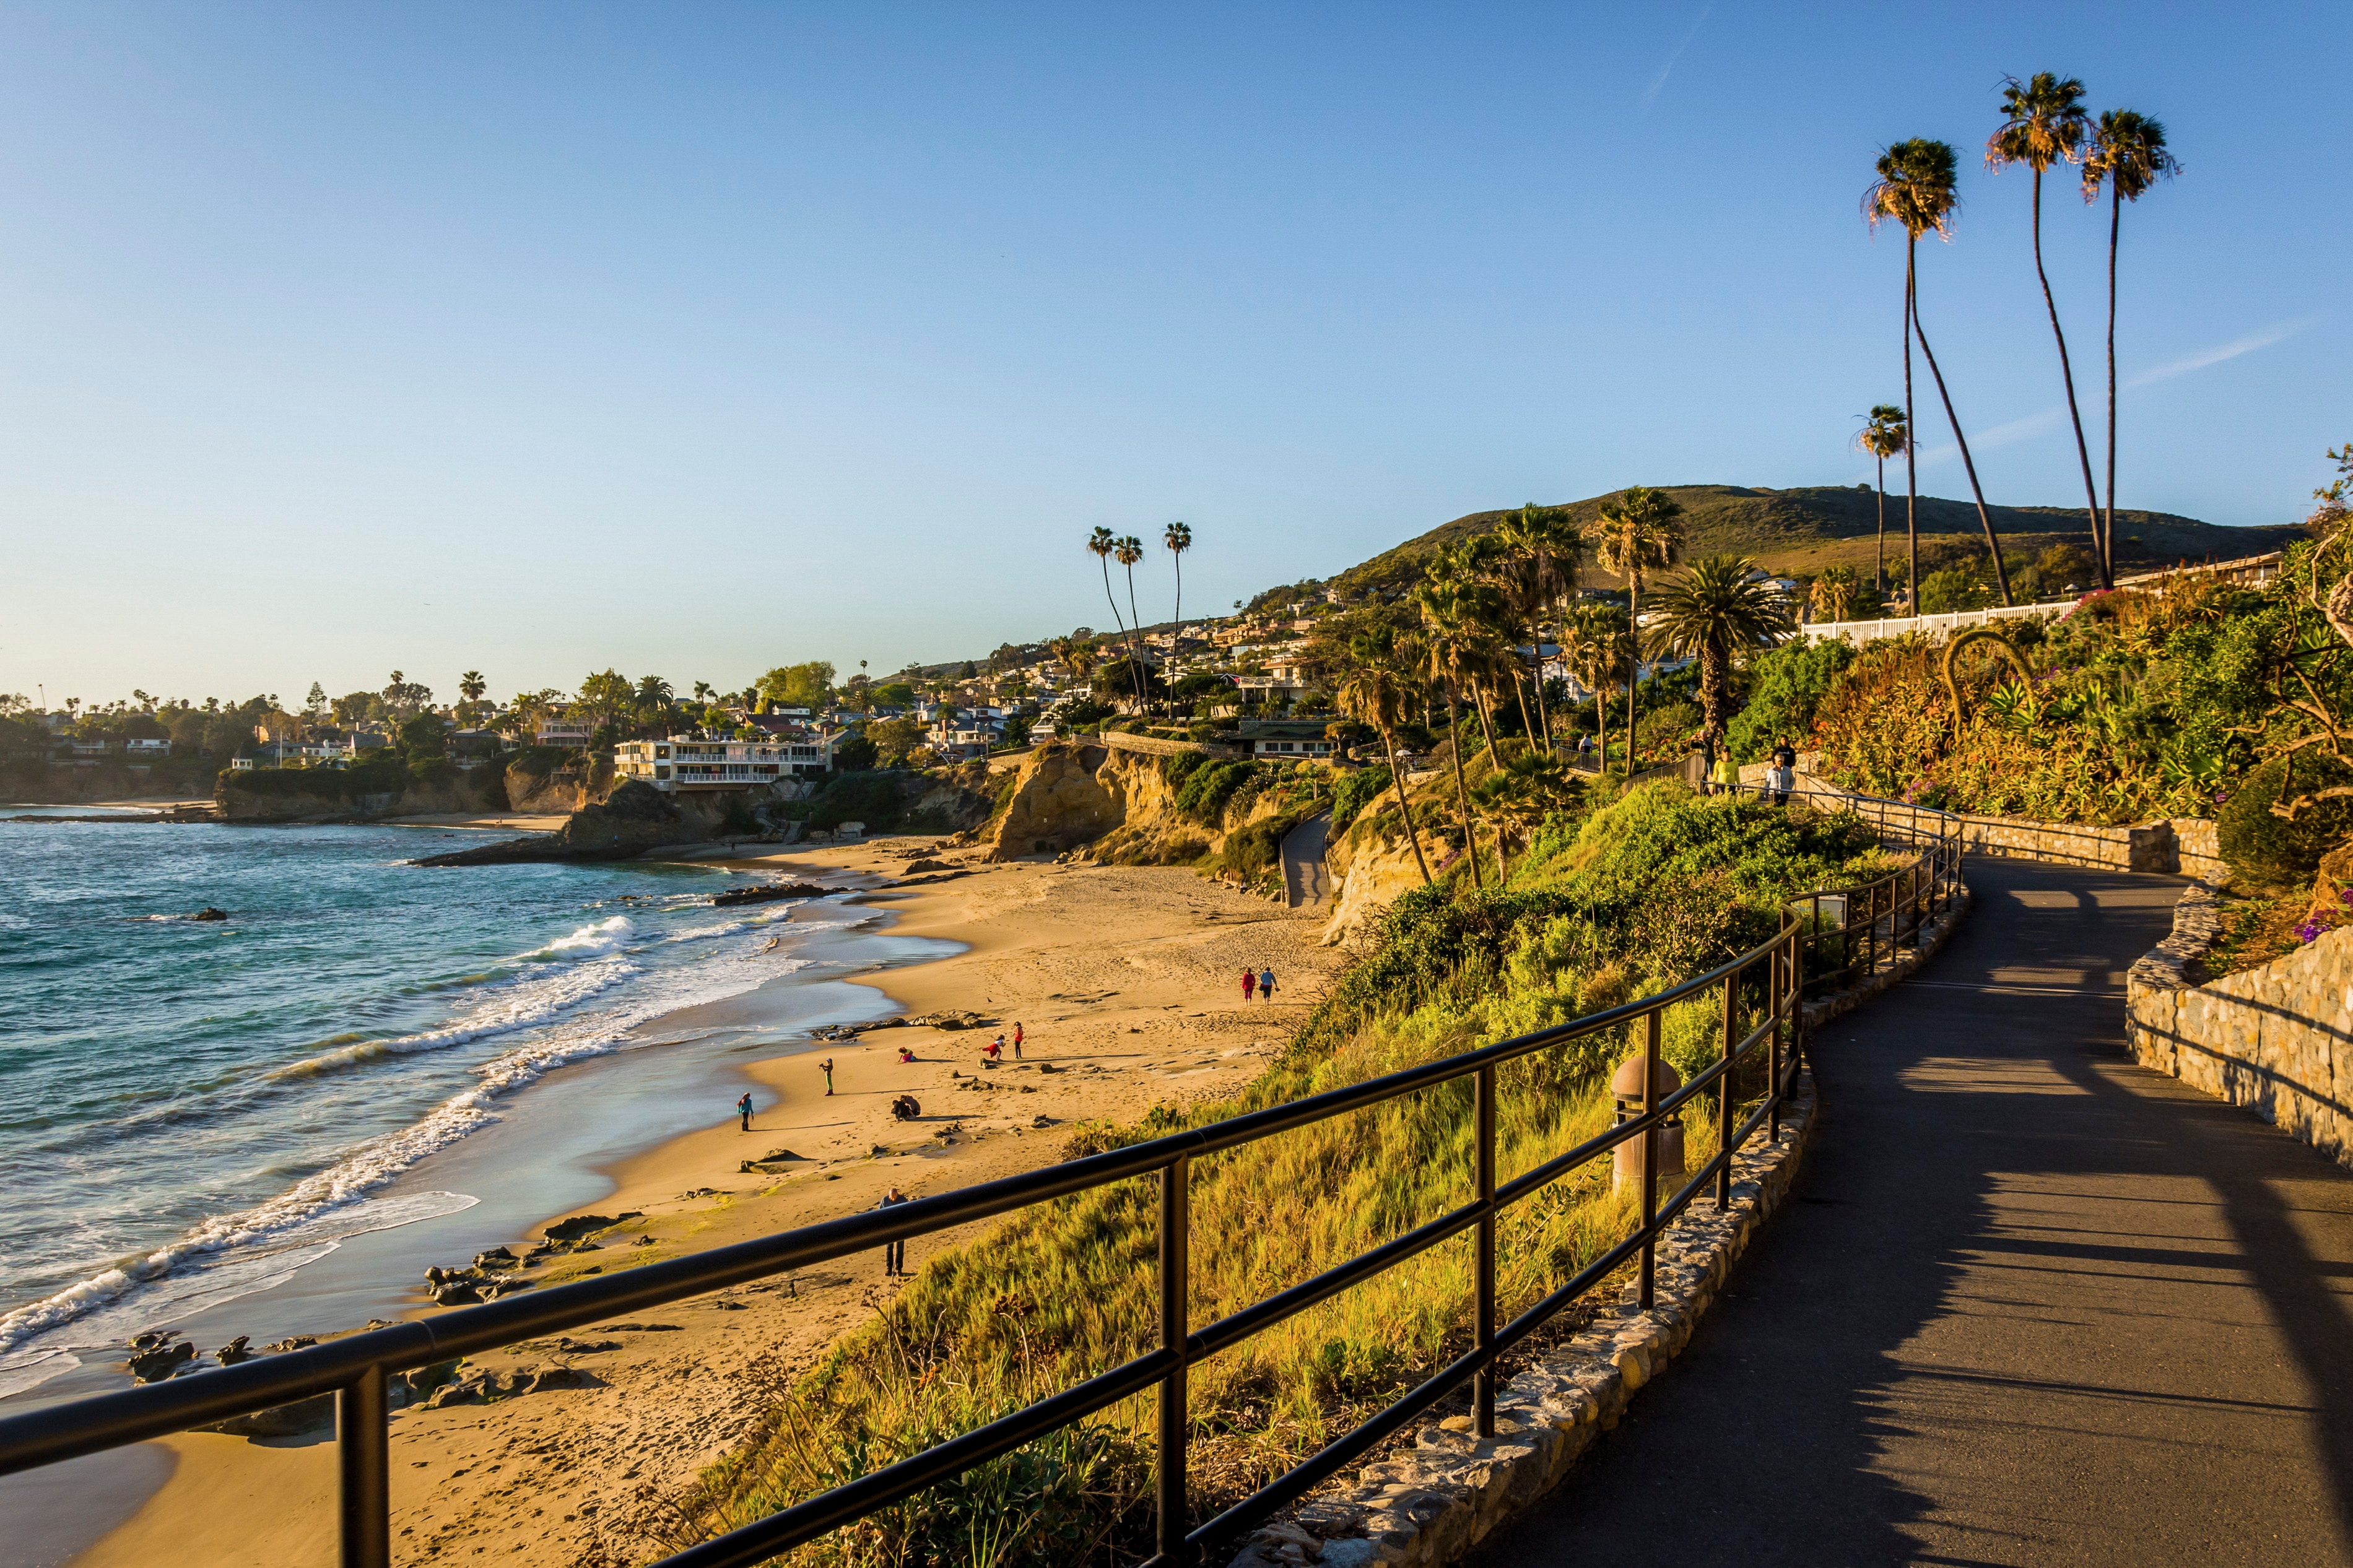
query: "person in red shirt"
1249, 983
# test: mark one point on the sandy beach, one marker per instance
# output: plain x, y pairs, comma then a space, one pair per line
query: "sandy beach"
1126, 981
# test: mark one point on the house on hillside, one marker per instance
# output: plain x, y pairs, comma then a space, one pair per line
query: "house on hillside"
690, 764
1286, 740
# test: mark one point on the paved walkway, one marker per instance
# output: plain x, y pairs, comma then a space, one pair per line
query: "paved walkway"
2031, 1304
1306, 879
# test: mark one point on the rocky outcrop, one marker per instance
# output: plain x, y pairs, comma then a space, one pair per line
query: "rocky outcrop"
633, 819
1059, 801
1371, 871
465, 792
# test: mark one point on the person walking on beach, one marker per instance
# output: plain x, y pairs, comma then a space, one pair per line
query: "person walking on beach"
743, 1110
826, 1067
1249, 983
1266, 985
1016, 1040
894, 1253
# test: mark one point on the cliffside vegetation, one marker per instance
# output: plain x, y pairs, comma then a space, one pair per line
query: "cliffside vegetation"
1607, 902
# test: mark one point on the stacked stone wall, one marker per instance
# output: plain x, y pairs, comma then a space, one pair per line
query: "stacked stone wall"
2277, 1040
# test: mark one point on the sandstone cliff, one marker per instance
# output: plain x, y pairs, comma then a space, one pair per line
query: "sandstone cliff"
633, 819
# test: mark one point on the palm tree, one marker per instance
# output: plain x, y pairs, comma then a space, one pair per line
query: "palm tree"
1597, 642
1639, 531
2128, 151
2045, 123
1179, 539
1833, 594
1379, 689
1523, 791
1723, 604
1102, 544
1127, 552
1915, 189
1542, 544
1885, 432
1458, 641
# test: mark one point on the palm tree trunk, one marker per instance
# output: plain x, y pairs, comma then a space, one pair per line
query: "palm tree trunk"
1878, 556
2108, 539
1461, 785
1136, 651
2066, 373
1601, 724
1405, 807
1985, 518
1544, 717
1502, 865
1480, 695
1911, 443
1527, 723
1113, 599
1711, 701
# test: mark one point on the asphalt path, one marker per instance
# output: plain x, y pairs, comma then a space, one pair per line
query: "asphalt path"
2031, 1304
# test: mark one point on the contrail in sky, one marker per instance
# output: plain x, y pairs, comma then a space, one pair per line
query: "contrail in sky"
2035, 424
1689, 33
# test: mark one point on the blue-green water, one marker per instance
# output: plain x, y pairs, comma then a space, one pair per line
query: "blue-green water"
189, 1113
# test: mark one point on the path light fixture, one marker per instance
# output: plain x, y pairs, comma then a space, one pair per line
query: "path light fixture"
1627, 1085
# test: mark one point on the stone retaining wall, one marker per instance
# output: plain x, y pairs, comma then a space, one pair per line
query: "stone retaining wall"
1154, 746
2277, 1040
1433, 1503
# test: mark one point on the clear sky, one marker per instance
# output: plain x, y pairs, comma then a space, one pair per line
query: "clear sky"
698, 339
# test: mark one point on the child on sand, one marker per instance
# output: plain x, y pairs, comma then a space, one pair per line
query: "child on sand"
743, 1110
1249, 983
905, 1055
995, 1049
1017, 1042
826, 1067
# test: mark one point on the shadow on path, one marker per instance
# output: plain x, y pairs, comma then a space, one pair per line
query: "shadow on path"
2031, 1304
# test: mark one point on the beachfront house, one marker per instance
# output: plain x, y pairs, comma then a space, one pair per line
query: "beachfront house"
688, 763
562, 729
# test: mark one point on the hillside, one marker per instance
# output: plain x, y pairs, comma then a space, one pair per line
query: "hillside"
1797, 533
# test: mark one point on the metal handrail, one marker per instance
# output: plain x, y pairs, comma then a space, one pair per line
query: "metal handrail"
356, 1368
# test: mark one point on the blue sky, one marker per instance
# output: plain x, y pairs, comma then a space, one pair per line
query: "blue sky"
699, 339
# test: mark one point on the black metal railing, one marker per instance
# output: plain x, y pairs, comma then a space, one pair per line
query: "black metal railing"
1773, 976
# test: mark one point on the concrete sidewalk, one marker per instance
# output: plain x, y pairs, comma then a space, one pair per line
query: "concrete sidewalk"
2032, 1304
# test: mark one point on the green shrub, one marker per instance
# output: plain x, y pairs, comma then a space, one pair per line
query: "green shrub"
1206, 789
1354, 792
2269, 848
1785, 688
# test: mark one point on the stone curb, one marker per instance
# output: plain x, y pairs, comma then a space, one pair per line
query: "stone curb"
1432, 1505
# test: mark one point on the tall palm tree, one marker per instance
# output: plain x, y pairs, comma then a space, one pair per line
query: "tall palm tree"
1179, 539
2127, 151
1597, 642
1457, 641
1542, 542
2043, 122
1915, 188
1642, 530
1127, 552
1722, 604
1885, 432
1380, 686
1102, 544
1523, 791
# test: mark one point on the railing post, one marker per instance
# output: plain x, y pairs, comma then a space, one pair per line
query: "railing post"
1482, 1387
1723, 1092
1176, 1228
1796, 1014
363, 1457
1778, 986
1649, 1155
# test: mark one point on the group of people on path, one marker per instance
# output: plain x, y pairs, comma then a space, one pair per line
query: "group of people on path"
1261, 982
1781, 773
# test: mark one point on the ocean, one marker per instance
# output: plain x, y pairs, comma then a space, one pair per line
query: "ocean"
367, 1063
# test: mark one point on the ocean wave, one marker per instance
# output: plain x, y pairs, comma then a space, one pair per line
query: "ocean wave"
299, 1227
196, 1266
505, 1013
608, 935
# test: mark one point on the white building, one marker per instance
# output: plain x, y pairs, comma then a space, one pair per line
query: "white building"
558, 730
684, 763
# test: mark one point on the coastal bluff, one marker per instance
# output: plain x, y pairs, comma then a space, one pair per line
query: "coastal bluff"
633, 819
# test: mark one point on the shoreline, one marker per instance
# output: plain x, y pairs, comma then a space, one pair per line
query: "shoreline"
581, 1474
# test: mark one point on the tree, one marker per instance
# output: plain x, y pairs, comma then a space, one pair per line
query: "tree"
1526, 789
2128, 152
1129, 551
404, 698
606, 696
1379, 689
1597, 643
1641, 530
1179, 539
809, 685
1540, 545
1102, 544
1886, 430
2043, 122
470, 685
357, 708
1833, 595
1915, 188
1459, 640
1720, 606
